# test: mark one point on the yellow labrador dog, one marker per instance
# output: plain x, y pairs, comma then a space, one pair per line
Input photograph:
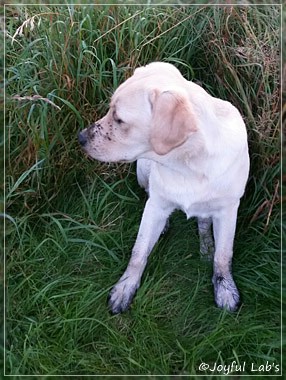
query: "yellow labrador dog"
192, 154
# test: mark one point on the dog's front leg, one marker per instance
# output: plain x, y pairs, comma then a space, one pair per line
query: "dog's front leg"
225, 290
152, 224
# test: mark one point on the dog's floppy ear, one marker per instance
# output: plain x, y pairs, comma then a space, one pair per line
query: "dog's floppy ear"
172, 120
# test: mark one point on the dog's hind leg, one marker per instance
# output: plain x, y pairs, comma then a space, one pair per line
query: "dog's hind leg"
206, 238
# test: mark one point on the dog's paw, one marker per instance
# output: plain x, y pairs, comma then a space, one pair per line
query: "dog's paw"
226, 293
122, 295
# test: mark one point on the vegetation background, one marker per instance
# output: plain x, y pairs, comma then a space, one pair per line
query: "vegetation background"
71, 222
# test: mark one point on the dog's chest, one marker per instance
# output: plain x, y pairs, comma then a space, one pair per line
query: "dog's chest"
195, 194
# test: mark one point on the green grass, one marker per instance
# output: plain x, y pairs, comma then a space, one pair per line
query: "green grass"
71, 222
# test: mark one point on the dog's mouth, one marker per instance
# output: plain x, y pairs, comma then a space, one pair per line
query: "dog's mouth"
96, 156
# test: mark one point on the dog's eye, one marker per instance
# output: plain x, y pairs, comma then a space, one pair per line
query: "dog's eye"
117, 119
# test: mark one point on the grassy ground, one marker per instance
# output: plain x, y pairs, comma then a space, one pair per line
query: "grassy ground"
71, 222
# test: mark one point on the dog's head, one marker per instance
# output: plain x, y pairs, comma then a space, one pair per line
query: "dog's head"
149, 112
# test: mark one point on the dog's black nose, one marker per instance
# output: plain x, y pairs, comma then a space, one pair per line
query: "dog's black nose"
82, 138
